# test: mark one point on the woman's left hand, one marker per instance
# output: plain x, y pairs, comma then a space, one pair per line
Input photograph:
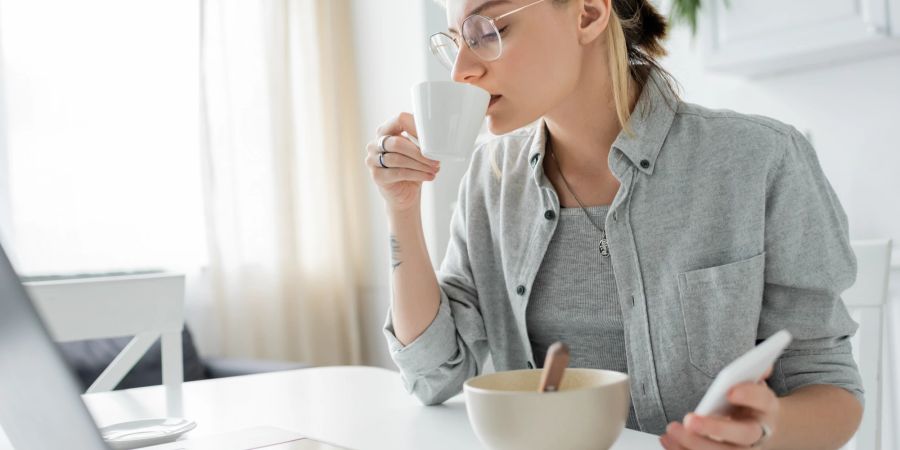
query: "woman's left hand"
755, 404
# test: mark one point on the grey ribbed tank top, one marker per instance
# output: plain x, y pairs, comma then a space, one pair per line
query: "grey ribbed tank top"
574, 298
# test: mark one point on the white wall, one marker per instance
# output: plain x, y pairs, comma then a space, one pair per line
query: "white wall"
5, 218
390, 57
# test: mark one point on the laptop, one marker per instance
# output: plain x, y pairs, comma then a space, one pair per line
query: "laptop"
40, 402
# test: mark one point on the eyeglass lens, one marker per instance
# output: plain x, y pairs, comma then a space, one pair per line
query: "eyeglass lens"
480, 35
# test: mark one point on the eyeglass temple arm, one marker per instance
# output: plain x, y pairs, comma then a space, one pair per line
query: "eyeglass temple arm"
516, 10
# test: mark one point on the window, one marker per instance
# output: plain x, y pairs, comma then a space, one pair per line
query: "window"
102, 133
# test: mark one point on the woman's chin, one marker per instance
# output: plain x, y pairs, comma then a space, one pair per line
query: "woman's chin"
493, 126
497, 125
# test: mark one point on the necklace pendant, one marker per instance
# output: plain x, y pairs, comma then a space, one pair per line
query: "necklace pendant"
604, 247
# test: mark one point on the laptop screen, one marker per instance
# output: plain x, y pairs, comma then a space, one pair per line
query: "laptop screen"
40, 402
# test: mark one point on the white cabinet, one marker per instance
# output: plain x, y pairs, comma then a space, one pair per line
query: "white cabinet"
764, 37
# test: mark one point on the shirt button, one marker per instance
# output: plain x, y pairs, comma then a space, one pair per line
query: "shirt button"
549, 214
520, 290
534, 159
645, 164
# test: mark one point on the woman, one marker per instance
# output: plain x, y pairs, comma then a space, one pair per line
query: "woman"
655, 237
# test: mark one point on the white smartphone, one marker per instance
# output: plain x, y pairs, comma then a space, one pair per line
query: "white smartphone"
749, 367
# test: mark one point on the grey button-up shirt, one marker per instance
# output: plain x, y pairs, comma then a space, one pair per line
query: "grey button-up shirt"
724, 230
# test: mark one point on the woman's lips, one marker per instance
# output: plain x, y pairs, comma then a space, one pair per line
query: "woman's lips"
494, 99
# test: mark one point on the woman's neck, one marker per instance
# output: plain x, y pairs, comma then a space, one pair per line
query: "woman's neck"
584, 127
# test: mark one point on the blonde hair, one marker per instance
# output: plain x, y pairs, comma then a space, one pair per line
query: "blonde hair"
619, 70
634, 37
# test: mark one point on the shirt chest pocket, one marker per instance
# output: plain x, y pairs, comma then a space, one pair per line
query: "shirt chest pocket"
721, 307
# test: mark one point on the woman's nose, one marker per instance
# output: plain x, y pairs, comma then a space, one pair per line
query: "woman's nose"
468, 67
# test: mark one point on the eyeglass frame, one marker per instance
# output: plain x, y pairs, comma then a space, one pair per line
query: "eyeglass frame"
492, 21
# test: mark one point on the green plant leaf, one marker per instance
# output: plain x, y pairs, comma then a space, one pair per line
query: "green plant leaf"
687, 11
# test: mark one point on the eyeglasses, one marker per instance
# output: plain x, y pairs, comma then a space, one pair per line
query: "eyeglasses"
480, 34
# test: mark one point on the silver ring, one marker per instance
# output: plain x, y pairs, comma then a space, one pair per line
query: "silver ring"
381, 160
766, 432
381, 142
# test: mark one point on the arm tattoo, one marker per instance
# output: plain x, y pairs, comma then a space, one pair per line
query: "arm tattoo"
395, 253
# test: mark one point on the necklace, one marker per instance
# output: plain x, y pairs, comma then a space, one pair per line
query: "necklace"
604, 244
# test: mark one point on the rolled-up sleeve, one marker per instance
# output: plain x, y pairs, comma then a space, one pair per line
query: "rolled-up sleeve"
809, 263
454, 347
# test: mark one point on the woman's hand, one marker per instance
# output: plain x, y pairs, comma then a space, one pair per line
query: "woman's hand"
397, 165
756, 407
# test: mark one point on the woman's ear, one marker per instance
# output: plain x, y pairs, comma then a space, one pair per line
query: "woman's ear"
593, 19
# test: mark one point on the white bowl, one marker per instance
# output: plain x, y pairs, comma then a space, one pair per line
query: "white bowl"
588, 412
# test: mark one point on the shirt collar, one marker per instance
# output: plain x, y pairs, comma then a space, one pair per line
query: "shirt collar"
650, 122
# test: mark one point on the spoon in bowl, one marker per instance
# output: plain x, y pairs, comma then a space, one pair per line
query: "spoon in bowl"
554, 366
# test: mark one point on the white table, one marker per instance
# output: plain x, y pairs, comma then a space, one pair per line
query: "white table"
358, 407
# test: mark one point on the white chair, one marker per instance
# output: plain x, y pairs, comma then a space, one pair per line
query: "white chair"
148, 307
866, 301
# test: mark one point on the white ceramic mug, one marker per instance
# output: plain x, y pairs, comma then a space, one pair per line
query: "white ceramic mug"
448, 117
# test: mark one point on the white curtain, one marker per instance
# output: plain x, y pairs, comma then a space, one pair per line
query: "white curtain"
283, 179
